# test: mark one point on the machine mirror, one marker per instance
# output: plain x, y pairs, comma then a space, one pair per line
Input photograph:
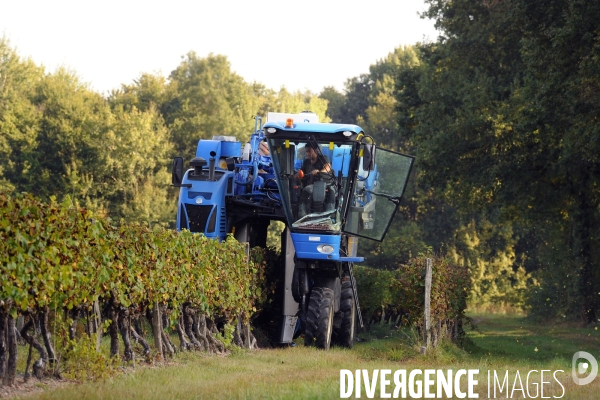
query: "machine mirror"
177, 171
368, 157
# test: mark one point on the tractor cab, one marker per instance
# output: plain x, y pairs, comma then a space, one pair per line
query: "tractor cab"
330, 178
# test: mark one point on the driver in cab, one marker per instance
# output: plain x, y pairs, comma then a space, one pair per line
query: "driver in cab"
314, 163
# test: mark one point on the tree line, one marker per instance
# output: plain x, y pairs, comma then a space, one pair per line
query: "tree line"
113, 154
501, 112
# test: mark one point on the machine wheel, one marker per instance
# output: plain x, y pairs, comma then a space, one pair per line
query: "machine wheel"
345, 319
319, 318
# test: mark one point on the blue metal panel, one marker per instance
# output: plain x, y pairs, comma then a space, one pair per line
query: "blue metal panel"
206, 146
231, 149
306, 245
205, 193
317, 128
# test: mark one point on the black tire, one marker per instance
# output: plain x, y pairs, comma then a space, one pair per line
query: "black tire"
319, 318
345, 319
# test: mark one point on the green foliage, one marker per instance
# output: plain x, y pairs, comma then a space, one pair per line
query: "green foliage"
206, 98
61, 256
488, 250
335, 103
404, 240
133, 175
72, 129
19, 119
299, 101
501, 113
404, 289
112, 157
375, 288
266, 263
274, 235
369, 99
83, 363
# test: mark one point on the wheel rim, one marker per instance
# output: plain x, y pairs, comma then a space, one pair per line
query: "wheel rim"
329, 325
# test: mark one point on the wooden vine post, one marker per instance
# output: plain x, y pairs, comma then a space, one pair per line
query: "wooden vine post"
99, 327
157, 330
427, 308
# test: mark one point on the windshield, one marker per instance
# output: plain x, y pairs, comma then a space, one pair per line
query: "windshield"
313, 181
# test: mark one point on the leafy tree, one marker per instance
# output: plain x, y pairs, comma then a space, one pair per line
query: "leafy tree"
146, 92
206, 98
19, 119
504, 123
135, 164
357, 94
556, 114
288, 102
71, 135
335, 103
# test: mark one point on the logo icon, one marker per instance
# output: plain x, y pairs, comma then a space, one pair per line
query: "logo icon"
582, 368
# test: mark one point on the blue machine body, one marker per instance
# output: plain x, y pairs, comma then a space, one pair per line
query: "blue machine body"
202, 205
313, 246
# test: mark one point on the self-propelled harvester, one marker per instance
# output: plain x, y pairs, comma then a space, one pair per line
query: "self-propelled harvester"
327, 182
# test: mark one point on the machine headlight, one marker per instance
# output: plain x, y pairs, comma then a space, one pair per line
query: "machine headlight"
325, 248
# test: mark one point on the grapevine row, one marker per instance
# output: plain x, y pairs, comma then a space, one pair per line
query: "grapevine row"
57, 258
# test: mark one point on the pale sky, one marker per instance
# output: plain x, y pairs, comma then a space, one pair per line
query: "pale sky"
301, 45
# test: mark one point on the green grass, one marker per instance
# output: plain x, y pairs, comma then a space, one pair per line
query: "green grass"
512, 339
501, 342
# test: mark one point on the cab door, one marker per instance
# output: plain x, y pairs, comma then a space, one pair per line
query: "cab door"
376, 194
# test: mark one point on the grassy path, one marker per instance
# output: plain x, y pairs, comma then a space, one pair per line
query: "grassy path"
512, 339
501, 343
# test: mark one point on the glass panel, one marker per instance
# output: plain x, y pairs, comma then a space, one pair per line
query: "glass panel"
393, 169
312, 181
372, 220
376, 195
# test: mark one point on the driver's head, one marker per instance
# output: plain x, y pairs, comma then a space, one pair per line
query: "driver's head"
311, 152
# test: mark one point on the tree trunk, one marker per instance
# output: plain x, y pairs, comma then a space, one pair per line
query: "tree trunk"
46, 335
140, 340
237, 334
184, 343
170, 347
3, 343
124, 329
113, 329
191, 329
200, 331
40, 365
73, 328
211, 328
